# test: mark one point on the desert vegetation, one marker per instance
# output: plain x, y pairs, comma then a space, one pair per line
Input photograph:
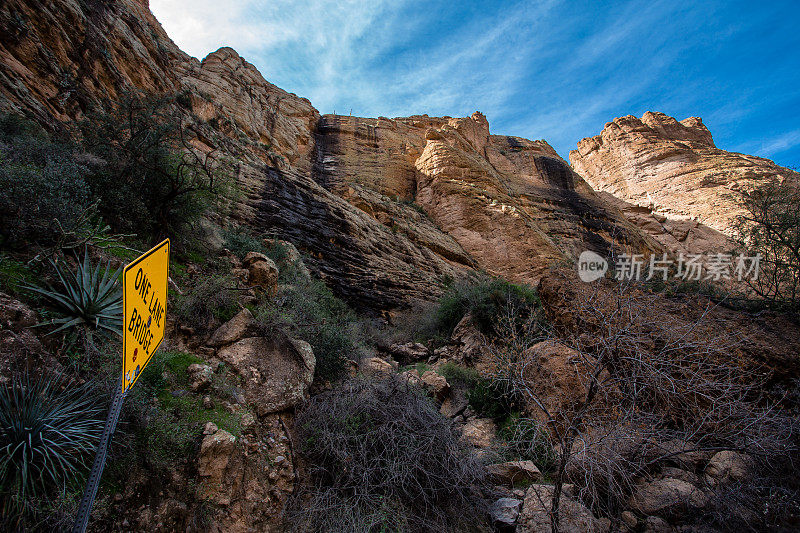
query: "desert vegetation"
276, 402
770, 227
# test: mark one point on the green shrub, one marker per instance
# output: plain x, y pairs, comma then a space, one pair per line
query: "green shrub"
484, 300
45, 195
163, 420
490, 399
48, 432
310, 311
90, 297
382, 458
240, 242
525, 438
456, 374
14, 275
770, 227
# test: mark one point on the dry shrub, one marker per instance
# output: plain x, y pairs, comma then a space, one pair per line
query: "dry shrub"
382, 458
649, 386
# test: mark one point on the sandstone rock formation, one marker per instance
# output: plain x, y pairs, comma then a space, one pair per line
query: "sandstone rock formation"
384, 209
677, 184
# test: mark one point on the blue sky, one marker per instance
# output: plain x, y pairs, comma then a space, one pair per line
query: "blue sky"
557, 70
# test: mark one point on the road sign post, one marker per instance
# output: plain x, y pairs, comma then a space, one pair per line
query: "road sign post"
144, 300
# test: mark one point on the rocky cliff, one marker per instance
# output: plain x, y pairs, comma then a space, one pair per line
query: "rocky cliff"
385, 209
670, 178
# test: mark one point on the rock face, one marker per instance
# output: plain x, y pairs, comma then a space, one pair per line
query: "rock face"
676, 182
384, 209
448, 185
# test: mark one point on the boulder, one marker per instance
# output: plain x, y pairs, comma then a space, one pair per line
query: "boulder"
629, 521
655, 524
376, 365
513, 472
727, 465
200, 376
412, 376
238, 327
435, 384
667, 497
215, 454
454, 404
574, 517
410, 352
560, 377
276, 370
504, 513
469, 342
264, 274
479, 432
682, 454
679, 473
252, 258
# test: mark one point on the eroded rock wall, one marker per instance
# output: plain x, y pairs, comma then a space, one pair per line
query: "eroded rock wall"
678, 184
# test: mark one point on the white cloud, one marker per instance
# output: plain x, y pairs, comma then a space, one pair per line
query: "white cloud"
775, 145
201, 26
538, 69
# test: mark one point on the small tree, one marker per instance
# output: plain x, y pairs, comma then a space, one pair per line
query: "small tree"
770, 227
153, 180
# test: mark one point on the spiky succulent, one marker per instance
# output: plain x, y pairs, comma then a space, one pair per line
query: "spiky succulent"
90, 295
48, 431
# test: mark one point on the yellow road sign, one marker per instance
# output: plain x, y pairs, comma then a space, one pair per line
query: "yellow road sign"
144, 290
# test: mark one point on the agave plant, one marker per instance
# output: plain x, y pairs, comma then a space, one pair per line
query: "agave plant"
90, 296
48, 431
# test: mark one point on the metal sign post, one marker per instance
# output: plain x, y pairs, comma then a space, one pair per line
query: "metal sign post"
144, 299
89, 494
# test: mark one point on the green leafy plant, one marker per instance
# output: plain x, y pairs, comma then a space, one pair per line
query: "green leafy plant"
153, 183
48, 430
45, 196
491, 399
208, 302
484, 300
310, 311
770, 226
91, 296
456, 374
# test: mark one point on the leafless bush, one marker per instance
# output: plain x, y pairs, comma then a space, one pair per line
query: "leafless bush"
381, 457
646, 387
768, 499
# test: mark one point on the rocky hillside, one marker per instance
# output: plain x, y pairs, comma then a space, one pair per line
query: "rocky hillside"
384, 208
670, 178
